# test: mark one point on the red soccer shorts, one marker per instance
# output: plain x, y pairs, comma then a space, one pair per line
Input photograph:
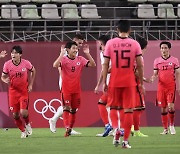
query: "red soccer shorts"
104, 98
121, 97
165, 96
18, 101
71, 100
140, 103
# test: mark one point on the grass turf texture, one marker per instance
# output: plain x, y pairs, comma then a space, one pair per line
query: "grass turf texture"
44, 142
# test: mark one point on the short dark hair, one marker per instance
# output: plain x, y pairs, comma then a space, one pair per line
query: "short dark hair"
17, 48
78, 36
124, 25
167, 43
104, 38
70, 44
142, 41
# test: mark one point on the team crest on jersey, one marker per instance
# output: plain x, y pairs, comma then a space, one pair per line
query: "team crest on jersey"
67, 101
11, 108
170, 63
23, 69
78, 63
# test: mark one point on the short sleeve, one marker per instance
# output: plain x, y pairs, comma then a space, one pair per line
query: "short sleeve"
29, 66
84, 61
155, 64
5, 68
107, 49
176, 64
138, 50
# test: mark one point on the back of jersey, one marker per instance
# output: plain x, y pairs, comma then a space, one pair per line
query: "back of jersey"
122, 53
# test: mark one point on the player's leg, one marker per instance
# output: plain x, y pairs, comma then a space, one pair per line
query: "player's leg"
53, 120
171, 110
164, 119
24, 113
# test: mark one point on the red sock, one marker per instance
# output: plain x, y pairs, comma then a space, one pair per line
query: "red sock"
103, 113
19, 124
171, 117
66, 118
121, 113
26, 120
114, 118
136, 119
164, 119
72, 117
128, 121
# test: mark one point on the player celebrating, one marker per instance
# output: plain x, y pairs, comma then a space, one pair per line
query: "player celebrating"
79, 39
15, 74
165, 68
123, 52
103, 109
71, 68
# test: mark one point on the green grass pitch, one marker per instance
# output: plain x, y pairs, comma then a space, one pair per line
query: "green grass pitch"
44, 142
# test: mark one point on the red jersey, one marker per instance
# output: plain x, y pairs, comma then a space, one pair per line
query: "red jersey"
122, 53
71, 72
166, 70
18, 74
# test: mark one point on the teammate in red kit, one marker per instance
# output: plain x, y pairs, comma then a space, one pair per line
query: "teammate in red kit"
165, 69
15, 74
123, 52
71, 69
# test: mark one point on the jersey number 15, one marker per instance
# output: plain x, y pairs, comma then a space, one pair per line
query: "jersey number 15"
123, 58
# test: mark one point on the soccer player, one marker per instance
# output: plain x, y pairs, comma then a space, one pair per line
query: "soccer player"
102, 103
79, 39
140, 103
15, 74
3, 54
71, 69
165, 69
123, 53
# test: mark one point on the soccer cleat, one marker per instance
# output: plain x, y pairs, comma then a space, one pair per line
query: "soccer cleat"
139, 134
116, 139
68, 132
108, 128
52, 125
122, 132
165, 132
125, 145
28, 129
172, 130
73, 132
24, 134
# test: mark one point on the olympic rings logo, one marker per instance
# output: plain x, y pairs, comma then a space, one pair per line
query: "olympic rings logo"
46, 107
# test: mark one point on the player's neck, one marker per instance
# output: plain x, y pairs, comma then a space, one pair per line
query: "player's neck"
17, 61
166, 56
123, 35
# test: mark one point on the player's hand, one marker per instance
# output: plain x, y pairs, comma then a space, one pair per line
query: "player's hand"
63, 50
29, 88
3, 54
148, 80
105, 88
7, 80
86, 48
96, 91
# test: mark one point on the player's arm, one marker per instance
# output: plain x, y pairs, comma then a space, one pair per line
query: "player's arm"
105, 72
3, 54
31, 79
89, 57
5, 78
177, 71
99, 82
140, 69
56, 63
154, 76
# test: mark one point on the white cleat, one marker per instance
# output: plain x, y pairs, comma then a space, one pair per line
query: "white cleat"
172, 130
24, 134
165, 132
52, 125
73, 132
125, 145
99, 135
28, 129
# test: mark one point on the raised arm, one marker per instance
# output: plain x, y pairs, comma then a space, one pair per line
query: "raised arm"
56, 63
3, 54
88, 55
